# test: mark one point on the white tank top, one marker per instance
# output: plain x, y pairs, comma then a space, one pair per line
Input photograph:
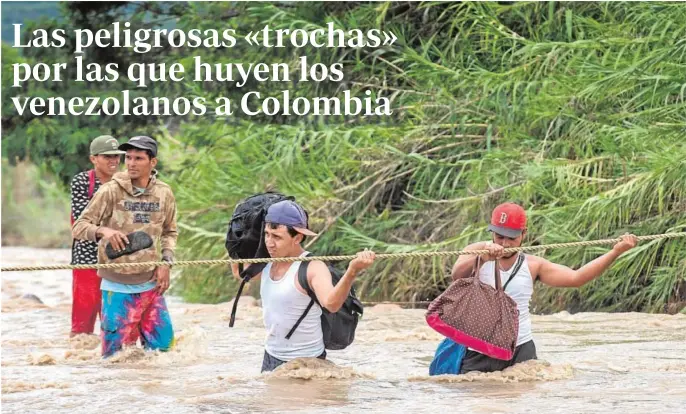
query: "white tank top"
282, 306
520, 289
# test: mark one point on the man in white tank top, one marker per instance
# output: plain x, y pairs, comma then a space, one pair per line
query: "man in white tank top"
518, 272
284, 300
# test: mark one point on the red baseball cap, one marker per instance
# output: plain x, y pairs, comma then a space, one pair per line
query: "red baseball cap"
508, 219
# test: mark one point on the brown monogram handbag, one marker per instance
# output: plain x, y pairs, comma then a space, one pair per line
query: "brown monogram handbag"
474, 314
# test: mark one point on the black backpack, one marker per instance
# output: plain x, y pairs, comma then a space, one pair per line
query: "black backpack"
338, 327
245, 236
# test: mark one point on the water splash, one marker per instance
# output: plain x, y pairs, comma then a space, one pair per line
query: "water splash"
314, 368
529, 371
41, 359
10, 387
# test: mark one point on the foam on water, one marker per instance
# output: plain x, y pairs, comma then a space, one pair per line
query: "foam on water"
529, 371
314, 368
215, 368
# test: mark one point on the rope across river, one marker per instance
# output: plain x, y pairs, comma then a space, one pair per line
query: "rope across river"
425, 254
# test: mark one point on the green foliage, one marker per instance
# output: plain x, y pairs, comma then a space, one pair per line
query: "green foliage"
35, 207
62, 142
575, 110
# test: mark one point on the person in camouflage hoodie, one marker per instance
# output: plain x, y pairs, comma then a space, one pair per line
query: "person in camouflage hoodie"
133, 304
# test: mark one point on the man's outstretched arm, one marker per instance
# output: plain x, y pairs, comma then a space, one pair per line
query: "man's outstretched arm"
557, 275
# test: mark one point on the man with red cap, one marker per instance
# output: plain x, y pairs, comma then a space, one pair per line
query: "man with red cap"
518, 272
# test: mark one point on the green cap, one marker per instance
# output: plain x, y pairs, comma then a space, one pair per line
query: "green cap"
105, 145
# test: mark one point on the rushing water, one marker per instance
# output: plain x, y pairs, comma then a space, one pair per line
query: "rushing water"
589, 362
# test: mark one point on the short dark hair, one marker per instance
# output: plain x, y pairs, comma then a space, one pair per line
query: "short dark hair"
291, 231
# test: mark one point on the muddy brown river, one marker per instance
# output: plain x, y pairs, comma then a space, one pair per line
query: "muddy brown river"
589, 362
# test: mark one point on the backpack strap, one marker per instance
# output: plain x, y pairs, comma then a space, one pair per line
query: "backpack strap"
302, 279
300, 319
246, 275
91, 183
235, 304
517, 266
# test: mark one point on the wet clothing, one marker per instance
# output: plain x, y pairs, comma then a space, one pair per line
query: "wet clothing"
117, 207
85, 282
129, 316
131, 306
520, 289
475, 361
282, 305
270, 363
85, 300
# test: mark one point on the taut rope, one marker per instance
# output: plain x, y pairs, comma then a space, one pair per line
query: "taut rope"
331, 258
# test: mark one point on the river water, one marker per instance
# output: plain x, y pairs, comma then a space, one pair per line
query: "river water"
588, 362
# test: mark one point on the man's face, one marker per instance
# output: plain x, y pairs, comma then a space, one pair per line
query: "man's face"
508, 242
139, 164
279, 242
106, 164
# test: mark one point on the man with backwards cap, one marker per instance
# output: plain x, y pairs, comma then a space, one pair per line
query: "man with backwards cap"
284, 300
133, 305
508, 226
106, 157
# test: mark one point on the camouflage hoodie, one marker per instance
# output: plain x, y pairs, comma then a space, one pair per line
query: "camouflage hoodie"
115, 206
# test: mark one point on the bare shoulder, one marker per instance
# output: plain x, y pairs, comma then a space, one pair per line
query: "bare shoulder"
533, 260
316, 268
316, 276
535, 263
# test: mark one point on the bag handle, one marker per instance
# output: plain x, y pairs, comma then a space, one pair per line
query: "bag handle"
475, 273
476, 267
498, 282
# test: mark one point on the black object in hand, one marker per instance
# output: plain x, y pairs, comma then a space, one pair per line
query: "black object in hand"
138, 240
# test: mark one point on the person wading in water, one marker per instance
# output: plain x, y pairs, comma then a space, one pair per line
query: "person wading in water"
106, 157
508, 226
284, 298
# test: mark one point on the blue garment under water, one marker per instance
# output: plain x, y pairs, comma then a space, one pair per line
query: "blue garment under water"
448, 358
